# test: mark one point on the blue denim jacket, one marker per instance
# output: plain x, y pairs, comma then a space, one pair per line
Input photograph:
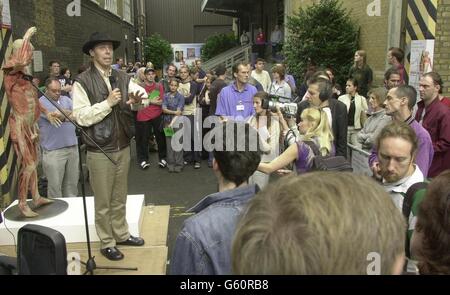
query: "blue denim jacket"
203, 247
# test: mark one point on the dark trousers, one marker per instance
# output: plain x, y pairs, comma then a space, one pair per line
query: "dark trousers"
192, 155
143, 137
174, 159
205, 114
261, 50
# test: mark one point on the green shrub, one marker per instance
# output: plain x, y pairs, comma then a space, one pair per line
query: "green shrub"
216, 44
158, 51
323, 33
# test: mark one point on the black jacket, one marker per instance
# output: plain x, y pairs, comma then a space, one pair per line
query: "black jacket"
340, 123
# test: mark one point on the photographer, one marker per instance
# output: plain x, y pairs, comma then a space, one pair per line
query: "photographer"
268, 128
314, 128
286, 113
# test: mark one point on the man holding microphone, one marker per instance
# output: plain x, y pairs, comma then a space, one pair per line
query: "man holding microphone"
101, 104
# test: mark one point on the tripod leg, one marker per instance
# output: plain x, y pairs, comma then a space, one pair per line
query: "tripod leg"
91, 266
117, 267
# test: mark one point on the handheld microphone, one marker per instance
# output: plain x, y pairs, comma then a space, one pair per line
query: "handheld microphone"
113, 82
28, 78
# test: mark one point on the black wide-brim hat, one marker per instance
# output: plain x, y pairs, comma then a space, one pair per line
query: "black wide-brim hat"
97, 38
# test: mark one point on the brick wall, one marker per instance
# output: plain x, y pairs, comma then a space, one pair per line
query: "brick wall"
373, 31
61, 37
441, 51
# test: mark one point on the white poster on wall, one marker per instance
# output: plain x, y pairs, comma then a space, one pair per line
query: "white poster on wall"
422, 54
5, 15
186, 53
38, 64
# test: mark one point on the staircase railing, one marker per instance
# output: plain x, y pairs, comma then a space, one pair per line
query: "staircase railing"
229, 58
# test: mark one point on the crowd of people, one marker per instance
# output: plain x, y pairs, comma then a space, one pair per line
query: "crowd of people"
251, 225
293, 226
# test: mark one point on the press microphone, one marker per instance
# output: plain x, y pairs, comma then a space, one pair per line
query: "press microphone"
113, 82
28, 78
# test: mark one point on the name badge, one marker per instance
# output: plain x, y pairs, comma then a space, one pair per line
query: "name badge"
240, 108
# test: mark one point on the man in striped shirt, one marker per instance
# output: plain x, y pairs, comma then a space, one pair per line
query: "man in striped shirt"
397, 150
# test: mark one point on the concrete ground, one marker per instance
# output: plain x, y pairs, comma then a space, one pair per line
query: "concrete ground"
179, 190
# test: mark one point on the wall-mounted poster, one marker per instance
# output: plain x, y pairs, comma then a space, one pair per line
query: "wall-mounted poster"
179, 56
186, 53
191, 53
5, 15
422, 53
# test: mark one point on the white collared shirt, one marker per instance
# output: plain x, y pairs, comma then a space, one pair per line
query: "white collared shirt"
86, 114
398, 190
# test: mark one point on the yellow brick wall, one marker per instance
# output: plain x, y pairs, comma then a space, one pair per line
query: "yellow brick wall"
373, 34
442, 45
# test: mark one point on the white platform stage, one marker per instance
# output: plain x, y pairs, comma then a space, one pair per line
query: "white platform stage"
71, 222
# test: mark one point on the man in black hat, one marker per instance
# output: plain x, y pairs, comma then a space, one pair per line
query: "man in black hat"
101, 104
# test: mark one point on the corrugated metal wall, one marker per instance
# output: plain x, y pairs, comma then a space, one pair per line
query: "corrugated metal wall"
175, 20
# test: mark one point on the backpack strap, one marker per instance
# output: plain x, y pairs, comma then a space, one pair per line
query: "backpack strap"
314, 147
408, 202
408, 199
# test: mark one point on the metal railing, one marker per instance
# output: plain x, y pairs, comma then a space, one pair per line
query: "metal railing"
359, 159
229, 58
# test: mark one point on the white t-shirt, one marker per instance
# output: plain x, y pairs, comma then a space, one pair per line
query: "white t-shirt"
283, 89
263, 78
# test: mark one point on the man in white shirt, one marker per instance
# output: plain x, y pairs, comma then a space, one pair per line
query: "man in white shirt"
261, 75
245, 39
101, 104
397, 149
276, 39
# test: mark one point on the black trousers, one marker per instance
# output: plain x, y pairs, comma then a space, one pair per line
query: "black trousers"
191, 155
143, 137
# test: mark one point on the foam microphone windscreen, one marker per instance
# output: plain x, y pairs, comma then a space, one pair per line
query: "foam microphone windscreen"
113, 82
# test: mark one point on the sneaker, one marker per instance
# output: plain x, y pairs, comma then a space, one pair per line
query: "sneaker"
197, 165
162, 163
144, 165
185, 163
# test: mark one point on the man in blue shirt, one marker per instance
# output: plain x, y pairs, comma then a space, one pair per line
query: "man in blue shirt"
59, 145
203, 247
236, 100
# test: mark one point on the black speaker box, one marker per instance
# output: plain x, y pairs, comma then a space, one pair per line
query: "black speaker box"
41, 251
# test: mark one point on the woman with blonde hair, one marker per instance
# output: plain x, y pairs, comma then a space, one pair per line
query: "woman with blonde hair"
314, 129
361, 72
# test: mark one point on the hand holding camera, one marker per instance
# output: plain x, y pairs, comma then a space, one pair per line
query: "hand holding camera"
288, 109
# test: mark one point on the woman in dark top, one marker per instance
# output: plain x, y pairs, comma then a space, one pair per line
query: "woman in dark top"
361, 72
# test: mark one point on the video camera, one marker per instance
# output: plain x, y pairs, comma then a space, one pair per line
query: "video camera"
289, 109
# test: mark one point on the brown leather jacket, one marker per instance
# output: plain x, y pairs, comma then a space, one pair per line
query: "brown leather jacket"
115, 131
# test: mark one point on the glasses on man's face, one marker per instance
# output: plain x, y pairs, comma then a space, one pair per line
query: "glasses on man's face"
55, 91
